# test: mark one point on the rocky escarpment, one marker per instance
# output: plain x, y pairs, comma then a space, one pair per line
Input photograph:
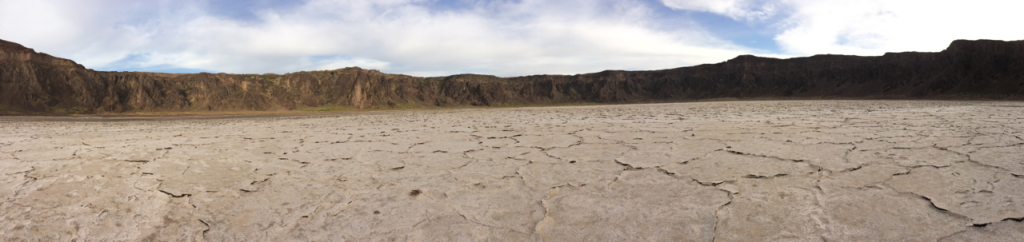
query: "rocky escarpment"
982, 69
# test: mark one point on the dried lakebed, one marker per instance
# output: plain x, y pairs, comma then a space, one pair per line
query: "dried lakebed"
726, 171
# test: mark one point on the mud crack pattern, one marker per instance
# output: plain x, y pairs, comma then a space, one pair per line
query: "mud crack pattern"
718, 171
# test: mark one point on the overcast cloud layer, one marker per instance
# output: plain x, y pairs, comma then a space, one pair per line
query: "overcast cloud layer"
505, 38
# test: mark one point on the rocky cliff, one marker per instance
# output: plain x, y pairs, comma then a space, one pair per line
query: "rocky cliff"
32, 82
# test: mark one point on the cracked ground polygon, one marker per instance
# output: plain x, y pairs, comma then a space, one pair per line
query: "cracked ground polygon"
706, 171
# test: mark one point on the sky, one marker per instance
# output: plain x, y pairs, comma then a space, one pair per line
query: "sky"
500, 37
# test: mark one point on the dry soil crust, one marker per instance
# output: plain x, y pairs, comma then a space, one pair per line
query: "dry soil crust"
728, 171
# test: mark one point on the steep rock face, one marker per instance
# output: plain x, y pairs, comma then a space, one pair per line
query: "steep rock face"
983, 69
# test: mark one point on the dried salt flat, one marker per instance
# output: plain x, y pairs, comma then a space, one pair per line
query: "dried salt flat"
729, 171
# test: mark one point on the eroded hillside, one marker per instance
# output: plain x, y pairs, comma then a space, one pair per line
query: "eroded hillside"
32, 82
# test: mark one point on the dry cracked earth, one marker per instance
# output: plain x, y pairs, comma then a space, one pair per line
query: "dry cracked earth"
718, 171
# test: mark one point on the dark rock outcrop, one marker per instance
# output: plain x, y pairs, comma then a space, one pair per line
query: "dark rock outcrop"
33, 82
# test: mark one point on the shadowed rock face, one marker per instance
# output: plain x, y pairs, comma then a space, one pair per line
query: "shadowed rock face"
983, 69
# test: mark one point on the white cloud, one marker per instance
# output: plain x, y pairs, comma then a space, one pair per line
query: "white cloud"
490, 37
869, 27
397, 36
741, 10
873, 27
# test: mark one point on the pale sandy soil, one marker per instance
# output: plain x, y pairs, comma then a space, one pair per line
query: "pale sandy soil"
724, 171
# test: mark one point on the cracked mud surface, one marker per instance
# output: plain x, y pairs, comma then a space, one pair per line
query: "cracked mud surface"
719, 171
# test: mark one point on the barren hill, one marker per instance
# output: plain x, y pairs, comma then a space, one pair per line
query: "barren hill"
32, 82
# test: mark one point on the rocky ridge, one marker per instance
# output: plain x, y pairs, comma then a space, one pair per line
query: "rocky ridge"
32, 82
